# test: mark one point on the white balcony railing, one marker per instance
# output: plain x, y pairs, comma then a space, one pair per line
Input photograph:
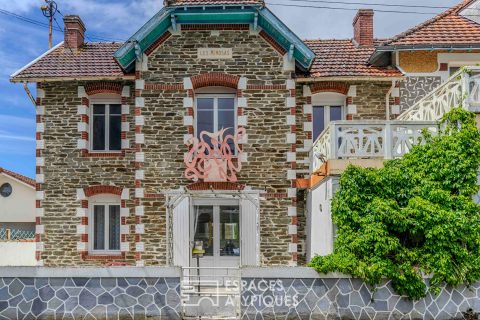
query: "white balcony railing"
461, 90
368, 139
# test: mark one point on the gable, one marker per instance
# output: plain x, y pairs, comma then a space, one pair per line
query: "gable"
257, 17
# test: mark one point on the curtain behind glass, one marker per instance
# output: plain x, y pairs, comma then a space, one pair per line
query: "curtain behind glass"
114, 227
99, 228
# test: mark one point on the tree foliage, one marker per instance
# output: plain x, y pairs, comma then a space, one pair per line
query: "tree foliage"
414, 217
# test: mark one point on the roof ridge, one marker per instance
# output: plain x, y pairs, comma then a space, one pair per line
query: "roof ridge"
453, 10
18, 176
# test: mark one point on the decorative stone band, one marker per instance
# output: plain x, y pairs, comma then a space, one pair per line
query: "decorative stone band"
83, 126
291, 139
82, 212
141, 66
39, 175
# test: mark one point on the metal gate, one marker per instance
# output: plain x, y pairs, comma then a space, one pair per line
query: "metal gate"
211, 293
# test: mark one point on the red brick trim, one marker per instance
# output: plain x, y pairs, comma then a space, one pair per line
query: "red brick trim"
94, 190
330, 86
266, 87
272, 42
93, 88
443, 67
215, 79
207, 27
103, 257
164, 37
215, 186
86, 153
164, 87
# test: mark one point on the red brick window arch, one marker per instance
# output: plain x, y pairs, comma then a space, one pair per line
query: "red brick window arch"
215, 79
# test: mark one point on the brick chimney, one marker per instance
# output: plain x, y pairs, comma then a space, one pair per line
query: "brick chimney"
363, 27
74, 32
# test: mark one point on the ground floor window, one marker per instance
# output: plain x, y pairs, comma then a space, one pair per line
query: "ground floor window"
105, 228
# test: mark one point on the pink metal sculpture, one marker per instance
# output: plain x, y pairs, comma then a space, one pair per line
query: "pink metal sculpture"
213, 161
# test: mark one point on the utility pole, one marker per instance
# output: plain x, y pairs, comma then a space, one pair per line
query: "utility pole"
49, 10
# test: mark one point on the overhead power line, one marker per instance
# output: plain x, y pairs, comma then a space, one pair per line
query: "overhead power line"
55, 28
346, 9
374, 4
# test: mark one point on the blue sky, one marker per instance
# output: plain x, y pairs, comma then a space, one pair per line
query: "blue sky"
21, 42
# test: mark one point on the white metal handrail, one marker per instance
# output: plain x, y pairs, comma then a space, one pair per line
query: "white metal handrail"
368, 139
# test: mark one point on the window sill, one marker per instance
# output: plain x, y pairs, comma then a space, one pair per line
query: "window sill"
104, 154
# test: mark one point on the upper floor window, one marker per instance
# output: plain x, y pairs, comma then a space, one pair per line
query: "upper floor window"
106, 128
327, 107
105, 224
214, 112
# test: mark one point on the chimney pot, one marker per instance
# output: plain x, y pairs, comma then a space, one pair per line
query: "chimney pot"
74, 32
363, 27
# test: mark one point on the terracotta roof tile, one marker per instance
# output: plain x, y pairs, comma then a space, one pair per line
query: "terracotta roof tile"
18, 176
94, 59
448, 27
341, 58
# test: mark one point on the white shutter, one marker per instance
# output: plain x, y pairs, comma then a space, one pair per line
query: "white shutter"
181, 234
249, 232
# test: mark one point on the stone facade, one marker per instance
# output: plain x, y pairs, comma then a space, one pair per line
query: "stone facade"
67, 169
158, 121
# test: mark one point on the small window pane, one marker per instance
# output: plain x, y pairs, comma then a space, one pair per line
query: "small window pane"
205, 103
99, 228
335, 113
203, 228
98, 109
115, 135
226, 104
115, 109
114, 227
98, 132
229, 231
318, 121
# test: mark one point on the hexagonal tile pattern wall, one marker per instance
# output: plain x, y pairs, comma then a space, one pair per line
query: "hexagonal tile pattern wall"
89, 298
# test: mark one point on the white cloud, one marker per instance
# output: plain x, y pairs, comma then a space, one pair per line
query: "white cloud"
20, 6
15, 137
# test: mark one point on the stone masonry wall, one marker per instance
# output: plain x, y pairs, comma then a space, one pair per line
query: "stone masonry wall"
164, 130
370, 100
66, 170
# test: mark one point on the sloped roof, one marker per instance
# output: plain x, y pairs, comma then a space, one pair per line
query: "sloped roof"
449, 27
341, 58
18, 176
94, 59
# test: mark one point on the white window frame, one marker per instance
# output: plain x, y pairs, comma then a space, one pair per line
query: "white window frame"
327, 100
106, 201
107, 102
215, 97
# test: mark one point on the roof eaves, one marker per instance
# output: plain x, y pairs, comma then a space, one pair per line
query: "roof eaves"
16, 73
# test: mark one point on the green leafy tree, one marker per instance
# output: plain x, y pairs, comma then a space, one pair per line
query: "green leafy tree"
414, 217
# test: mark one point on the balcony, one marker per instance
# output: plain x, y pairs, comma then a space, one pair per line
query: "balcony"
368, 139
383, 140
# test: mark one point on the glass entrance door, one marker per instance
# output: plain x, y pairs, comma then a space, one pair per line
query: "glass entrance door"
217, 229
